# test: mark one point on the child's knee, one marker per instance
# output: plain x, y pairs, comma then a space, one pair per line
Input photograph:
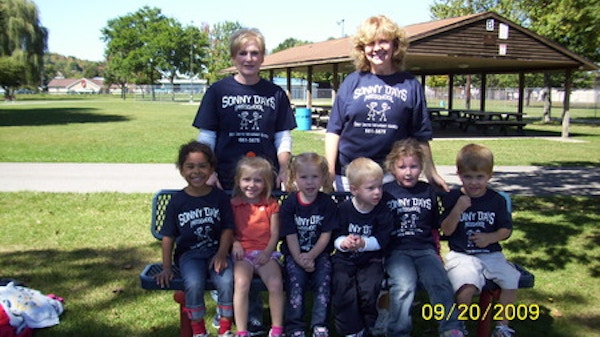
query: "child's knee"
274, 284
466, 291
243, 284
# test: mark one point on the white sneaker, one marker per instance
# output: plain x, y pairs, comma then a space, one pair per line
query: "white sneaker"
502, 330
381, 323
320, 331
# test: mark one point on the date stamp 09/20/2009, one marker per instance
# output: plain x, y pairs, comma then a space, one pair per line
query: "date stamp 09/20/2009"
474, 312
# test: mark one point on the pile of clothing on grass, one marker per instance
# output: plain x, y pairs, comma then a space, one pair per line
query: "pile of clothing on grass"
23, 309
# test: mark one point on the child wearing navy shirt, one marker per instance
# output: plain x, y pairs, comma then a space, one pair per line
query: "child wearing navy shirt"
365, 224
307, 218
476, 219
199, 223
412, 254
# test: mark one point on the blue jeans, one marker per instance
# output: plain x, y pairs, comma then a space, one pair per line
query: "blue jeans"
194, 268
405, 268
297, 281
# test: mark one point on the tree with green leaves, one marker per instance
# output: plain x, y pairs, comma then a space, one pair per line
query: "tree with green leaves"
289, 43
12, 73
219, 56
24, 40
146, 45
573, 24
124, 37
182, 51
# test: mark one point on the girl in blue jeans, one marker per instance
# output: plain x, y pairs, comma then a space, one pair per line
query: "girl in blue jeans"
412, 254
199, 225
307, 218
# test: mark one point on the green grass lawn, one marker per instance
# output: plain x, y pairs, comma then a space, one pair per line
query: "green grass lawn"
90, 248
107, 129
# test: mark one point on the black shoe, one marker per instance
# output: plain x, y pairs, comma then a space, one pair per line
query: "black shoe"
256, 328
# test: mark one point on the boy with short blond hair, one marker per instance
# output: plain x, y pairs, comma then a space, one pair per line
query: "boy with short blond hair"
365, 224
476, 219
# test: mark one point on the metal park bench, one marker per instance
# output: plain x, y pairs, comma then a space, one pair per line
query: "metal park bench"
160, 201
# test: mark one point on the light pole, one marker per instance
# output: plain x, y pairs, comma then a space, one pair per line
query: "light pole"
341, 23
192, 63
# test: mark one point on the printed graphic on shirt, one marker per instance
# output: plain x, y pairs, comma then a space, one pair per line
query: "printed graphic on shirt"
476, 222
249, 109
362, 230
378, 99
308, 228
408, 211
202, 222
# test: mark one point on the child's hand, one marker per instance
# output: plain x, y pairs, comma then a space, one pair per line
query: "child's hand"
163, 279
263, 258
219, 263
462, 203
213, 180
352, 242
482, 240
307, 262
237, 251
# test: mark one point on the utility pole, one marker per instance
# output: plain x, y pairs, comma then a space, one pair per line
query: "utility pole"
192, 62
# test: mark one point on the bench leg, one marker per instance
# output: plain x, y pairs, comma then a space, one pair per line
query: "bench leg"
185, 325
486, 299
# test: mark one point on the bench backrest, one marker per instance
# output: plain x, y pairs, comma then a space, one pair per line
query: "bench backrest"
161, 200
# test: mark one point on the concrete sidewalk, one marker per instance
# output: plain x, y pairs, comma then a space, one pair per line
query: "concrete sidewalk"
149, 178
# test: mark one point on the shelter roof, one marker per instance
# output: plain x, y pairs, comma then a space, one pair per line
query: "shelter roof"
476, 43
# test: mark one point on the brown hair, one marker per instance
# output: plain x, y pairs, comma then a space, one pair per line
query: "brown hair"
308, 158
475, 157
372, 29
195, 146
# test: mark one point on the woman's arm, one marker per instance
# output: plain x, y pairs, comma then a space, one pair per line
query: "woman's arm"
430, 171
332, 141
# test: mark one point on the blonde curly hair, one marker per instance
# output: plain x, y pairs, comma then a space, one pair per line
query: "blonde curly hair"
375, 28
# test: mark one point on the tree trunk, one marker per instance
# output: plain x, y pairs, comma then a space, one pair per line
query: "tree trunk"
547, 118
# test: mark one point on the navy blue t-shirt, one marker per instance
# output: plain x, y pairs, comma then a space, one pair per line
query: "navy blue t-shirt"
417, 215
197, 222
378, 223
487, 214
245, 118
371, 112
309, 221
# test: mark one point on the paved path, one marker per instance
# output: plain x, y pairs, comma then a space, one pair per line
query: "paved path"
148, 178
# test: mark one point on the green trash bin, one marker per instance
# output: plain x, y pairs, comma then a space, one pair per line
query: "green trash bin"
303, 119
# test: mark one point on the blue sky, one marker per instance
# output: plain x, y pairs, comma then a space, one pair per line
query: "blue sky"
74, 25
